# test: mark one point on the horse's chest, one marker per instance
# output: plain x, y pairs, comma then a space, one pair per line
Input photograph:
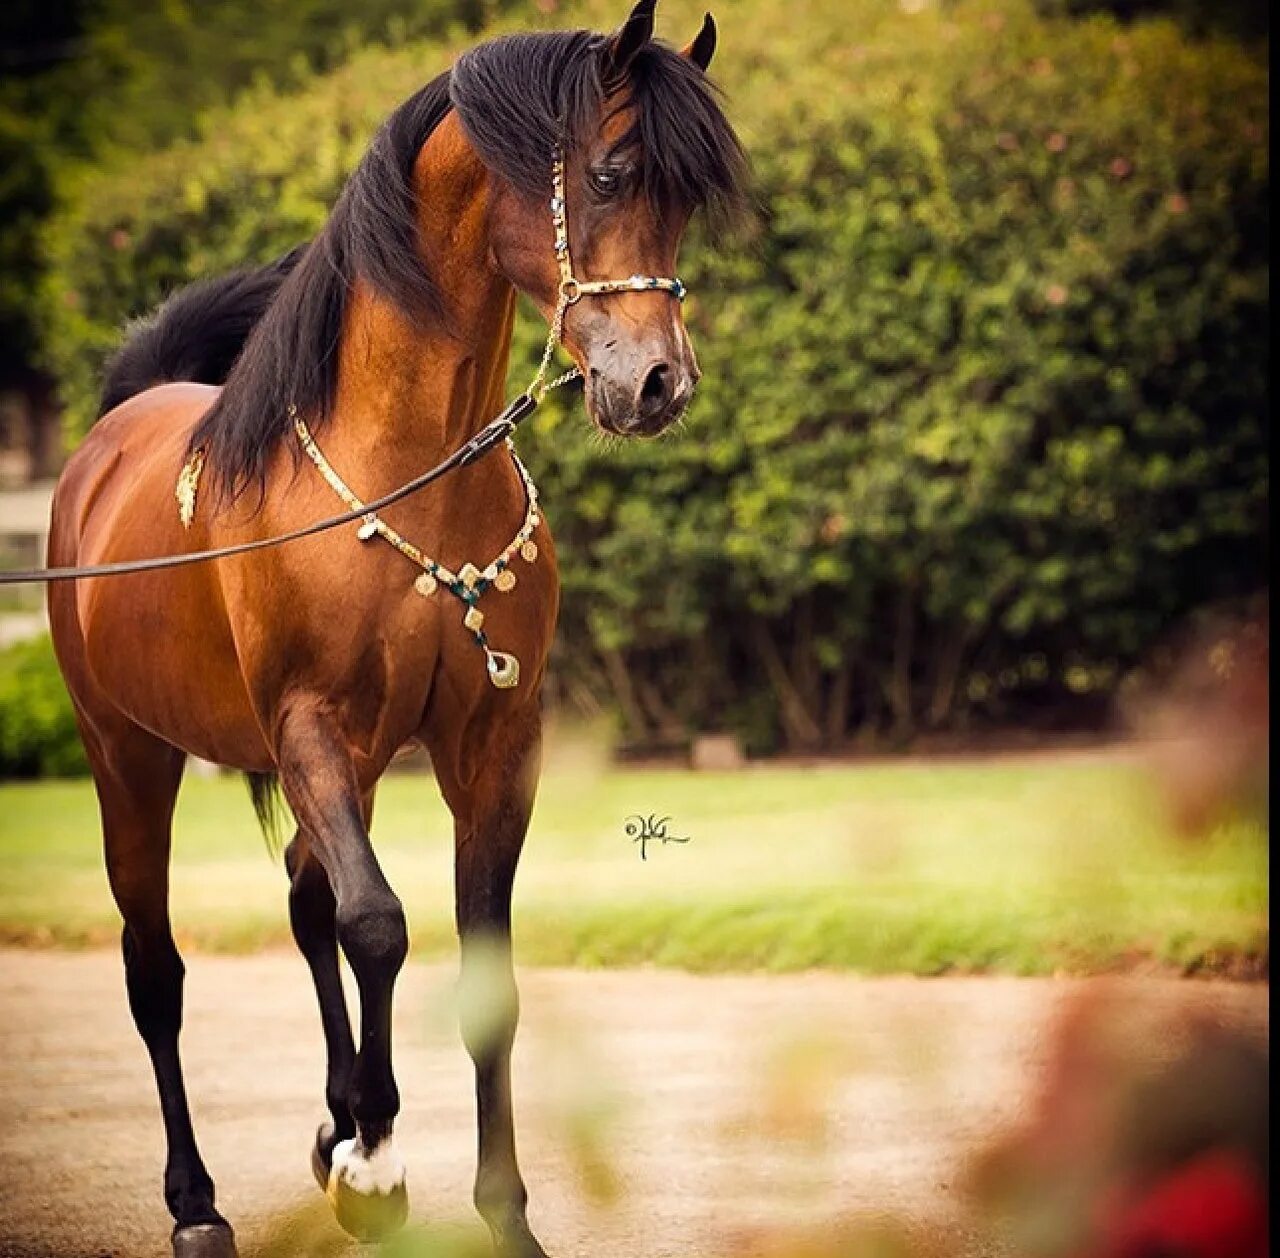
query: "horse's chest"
378, 644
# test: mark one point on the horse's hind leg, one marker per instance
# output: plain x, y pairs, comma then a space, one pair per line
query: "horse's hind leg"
137, 779
313, 916
366, 1181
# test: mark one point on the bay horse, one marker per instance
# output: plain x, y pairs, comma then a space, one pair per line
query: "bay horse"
342, 369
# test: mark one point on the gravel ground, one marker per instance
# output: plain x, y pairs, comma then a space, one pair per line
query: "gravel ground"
697, 1086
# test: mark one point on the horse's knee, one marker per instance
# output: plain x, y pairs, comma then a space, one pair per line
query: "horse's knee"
374, 935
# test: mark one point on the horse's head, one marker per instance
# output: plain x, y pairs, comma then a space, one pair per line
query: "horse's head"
645, 144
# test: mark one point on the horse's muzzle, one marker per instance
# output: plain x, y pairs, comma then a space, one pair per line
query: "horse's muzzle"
641, 401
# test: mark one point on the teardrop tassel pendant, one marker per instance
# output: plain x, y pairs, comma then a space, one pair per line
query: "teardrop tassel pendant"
504, 669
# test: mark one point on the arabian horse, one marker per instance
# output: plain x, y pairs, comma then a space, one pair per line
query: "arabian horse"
249, 406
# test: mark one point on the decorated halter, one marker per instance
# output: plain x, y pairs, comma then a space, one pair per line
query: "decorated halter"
470, 583
573, 289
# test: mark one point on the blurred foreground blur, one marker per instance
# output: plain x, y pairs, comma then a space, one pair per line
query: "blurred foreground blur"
1203, 705
1150, 1136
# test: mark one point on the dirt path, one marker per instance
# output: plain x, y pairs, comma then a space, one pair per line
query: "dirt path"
922, 1070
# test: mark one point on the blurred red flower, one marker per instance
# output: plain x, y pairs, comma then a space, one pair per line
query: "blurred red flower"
1210, 1207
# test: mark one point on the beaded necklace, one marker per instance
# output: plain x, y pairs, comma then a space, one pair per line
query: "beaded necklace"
469, 583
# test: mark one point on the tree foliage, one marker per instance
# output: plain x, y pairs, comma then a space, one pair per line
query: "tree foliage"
1244, 19
37, 121
104, 80
984, 397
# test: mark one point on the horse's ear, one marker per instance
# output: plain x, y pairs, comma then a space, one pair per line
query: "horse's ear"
631, 36
703, 47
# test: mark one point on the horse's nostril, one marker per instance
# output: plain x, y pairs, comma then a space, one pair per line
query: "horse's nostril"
656, 389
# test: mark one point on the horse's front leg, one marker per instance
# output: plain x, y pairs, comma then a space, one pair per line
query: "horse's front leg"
366, 1178
491, 813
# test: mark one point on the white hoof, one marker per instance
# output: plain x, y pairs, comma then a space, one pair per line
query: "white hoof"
367, 1191
378, 1173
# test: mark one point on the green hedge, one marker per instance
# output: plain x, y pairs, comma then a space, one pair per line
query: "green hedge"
38, 735
984, 398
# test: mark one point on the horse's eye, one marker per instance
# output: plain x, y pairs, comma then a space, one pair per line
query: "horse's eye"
606, 180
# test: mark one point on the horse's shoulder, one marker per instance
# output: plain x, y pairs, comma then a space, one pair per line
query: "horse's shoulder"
157, 420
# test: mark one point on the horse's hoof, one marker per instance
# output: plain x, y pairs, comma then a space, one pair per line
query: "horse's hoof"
368, 1216
204, 1240
367, 1192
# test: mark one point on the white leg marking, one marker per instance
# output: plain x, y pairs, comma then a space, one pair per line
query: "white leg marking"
379, 1172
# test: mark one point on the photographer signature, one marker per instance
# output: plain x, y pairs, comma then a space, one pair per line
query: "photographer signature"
649, 829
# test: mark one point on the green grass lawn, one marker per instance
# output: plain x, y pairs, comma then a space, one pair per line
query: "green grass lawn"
1012, 866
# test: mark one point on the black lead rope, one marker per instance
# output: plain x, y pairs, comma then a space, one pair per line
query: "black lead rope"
492, 434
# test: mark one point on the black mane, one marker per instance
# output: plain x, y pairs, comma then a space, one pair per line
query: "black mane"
690, 155
517, 98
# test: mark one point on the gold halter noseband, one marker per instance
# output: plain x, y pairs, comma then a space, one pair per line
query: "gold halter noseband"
469, 583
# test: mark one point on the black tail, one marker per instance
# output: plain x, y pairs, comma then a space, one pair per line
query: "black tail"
197, 334
264, 791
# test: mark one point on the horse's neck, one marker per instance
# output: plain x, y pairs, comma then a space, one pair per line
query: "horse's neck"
409, 395
411, 390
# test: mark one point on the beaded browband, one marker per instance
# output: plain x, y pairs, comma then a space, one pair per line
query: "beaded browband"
469, 583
